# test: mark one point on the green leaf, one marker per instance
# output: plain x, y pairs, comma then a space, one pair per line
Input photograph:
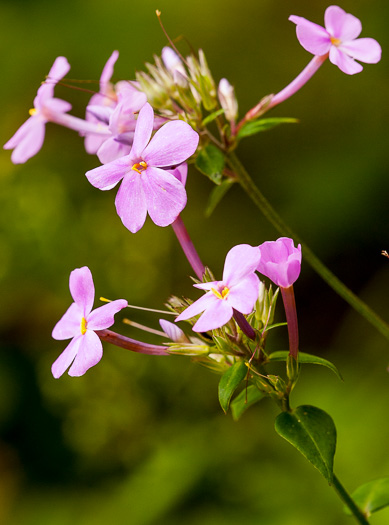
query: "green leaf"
306, 358
229, 382
313, 433
256, 126
212, 116
249, 396
216, 195
371, 496
210, 161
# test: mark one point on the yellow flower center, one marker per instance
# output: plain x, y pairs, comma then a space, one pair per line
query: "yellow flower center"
139, 166
32, 112
83, 326
224, 293
335, 41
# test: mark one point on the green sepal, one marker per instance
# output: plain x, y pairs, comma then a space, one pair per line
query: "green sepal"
248, 397
313, 433
256, 126
371, 496
212, 117
229, 382
210, 161
216, 195
303, 358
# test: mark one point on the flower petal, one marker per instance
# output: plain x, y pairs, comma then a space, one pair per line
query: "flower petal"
214, 317
28, 140
107, 176
244, 295
340, 24
165, 195
205, 301
344, 62
65, 359
240, 261
108, 71
131, 202
173, 332
314, 38
70, 323
89, 354
111, 150
180, 173
57, 105
82, 289
143, 130
364, 49
172, 144
103, 317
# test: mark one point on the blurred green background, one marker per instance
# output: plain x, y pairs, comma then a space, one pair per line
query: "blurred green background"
141, 440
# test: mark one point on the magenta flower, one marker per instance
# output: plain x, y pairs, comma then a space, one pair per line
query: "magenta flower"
238, 290
147, 185
280, 261
28, 139
80, 322
339, 39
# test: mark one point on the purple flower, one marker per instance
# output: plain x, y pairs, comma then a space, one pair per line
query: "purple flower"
80, 323
29, 138
147, 185
238, 290
280, 261
339, 39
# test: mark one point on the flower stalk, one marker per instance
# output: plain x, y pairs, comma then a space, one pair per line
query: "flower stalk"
291, 317
131, 344
188, 247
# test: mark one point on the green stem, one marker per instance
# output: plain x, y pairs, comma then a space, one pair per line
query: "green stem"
272, 216
349, 502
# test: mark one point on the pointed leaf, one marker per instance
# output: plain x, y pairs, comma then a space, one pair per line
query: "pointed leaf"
210, 161
313, 433
216, 195
306, 358
212, 117
248, 397
256, 126
229, 382
371, 496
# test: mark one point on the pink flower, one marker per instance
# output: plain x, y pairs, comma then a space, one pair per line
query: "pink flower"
339, 39
238, 290
147, 184
80, 322
280, 261
28, 139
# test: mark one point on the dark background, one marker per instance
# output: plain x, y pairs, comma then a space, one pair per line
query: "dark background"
141, 440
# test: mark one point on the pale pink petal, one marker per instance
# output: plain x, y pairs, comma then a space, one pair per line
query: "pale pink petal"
340, 24
131, 202
70, 323
111, 150
143, 130
82, 289
214, 317
172, 331
172, 144
244, 295
65, 359
59, 69
344, 62
314, 38
28, 140
103, 317
57, 105
364, 49
209, 285
107, 176
293, 271
240, 261
206, 301
89, 354
165, 195
108, 71
100, 112
25, 129
92, 143
181, 172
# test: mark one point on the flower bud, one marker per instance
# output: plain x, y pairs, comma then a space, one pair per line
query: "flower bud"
228, 100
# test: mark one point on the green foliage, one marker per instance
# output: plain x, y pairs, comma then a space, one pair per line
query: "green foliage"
313, 433
371, 496
256, 126
229, 383
306, 358
248, 397
210, 161
210, 118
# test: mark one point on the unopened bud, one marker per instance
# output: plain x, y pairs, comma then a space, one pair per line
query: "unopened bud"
174, 65
228, 100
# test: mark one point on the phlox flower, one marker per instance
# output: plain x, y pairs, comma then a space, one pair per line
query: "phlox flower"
280, 261
339, 39
147, 185
238, 290
28, 139
80, 322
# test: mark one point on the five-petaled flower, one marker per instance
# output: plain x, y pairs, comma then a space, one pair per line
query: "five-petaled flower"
147, 185
80, 322
339, 39
280, 261
238, 290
